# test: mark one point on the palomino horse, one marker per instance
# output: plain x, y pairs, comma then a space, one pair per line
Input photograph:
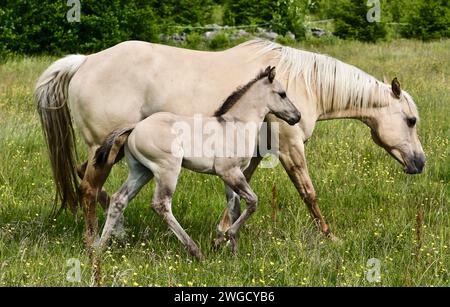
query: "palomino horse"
121, 86
163, 154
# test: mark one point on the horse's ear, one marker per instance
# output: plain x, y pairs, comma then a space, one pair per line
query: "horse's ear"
272, 74
396, 89
267, 71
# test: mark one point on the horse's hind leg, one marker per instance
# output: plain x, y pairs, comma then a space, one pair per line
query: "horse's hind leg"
91, 187
237, 181
137, 178
162, 204
103, 197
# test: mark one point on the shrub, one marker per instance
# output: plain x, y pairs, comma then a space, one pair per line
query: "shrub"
220, 41
430, 20
351, 22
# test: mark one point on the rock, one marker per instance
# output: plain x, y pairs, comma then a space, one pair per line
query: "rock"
179, 38
210, 34
318, 32
266, 34
239, 34
270, 35
290, 35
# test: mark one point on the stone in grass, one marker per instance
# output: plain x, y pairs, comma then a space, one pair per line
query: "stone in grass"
239, 34
317, 32
210, 34
290, 35
268, 34
179, 38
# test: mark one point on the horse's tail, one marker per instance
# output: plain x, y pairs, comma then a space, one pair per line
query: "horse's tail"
51, 95
113, 143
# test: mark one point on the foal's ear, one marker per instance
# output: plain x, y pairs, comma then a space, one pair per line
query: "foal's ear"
272, 74
396, 89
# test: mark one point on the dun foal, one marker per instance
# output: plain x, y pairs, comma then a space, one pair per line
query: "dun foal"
154, 149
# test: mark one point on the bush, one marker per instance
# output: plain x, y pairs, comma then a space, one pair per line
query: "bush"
283, 15
430, 20
41, 27
351, 22
220, 41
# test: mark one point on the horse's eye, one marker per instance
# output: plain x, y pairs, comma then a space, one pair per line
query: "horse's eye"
411, 121
282, 94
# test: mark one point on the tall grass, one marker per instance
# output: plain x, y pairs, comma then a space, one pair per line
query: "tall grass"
377, 210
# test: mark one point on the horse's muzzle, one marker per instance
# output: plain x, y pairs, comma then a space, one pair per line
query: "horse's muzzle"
416, 164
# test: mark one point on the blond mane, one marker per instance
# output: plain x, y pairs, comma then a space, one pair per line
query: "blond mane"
335, 85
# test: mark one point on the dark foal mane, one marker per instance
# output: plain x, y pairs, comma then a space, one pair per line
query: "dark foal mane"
238, 93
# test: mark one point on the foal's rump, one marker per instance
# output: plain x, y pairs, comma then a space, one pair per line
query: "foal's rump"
152, 136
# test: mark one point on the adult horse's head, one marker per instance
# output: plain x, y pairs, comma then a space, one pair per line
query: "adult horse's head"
394, 127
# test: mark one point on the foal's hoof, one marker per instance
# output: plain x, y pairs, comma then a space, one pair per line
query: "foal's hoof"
120, 235
97, 246
197, 254
218, 241
233, 245
334, 239
233, 242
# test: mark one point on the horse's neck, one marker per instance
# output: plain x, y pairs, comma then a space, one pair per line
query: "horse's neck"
355, 109
348, 114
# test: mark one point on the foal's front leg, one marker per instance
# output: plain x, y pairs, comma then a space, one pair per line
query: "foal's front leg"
233, 209
235, 179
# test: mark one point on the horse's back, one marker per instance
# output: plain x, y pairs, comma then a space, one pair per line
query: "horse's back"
127, 82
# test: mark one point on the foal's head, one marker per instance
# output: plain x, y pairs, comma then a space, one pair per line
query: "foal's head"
274, 96
265, 95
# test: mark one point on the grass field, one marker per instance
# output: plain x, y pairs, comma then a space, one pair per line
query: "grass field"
367, 199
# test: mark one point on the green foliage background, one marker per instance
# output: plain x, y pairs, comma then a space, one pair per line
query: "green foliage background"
36, 27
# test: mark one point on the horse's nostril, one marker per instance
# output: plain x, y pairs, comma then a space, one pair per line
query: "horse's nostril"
419, 163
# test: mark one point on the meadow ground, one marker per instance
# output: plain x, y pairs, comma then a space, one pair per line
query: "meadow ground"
367, 199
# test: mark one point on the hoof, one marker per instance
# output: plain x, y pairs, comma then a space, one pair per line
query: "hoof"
219, 240
120, 235
334, 239
197, 254
233, 242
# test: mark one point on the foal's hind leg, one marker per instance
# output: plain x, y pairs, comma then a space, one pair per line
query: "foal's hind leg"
138, 177
236, 180
162, 203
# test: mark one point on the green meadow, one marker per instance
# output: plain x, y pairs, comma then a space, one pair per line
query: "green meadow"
376, 210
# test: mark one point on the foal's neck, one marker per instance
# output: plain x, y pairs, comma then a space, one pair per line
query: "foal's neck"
246, 110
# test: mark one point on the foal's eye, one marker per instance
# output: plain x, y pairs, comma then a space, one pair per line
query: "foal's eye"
282, 94
411, 121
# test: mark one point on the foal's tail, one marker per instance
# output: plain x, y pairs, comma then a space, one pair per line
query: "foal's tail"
113, 143
51, 97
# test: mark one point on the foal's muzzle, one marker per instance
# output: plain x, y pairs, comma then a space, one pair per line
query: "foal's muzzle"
294, 119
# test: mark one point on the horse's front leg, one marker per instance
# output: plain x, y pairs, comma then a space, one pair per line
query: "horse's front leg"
233, 209
292, 156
